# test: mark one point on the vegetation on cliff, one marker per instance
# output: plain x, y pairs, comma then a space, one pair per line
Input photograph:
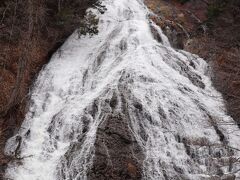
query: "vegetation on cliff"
209, 28
30, 32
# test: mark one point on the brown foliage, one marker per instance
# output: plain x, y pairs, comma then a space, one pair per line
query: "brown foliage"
213, 27
30, 32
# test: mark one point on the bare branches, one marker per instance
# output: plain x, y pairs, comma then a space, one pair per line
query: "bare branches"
22, 62
4, 14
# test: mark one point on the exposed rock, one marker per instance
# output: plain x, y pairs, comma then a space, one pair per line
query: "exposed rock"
156, 34
48, 31
150, 112
117, 154
215, 37
228, 177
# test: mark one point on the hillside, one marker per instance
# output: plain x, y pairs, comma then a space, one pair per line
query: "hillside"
117, 89
210, 29
30, 32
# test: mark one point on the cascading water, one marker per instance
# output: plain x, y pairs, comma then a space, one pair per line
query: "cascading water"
123, 105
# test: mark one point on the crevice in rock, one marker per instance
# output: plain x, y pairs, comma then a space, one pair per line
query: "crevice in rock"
156, 34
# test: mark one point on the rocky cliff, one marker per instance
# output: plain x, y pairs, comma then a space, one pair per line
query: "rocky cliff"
30, 32
124, 104
210, 29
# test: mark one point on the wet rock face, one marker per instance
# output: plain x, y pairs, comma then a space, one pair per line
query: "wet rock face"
175, 37
113, 152
155, 34
192, 26
117, 152
121, 105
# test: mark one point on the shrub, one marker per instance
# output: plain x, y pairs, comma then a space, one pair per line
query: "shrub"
215, 9
89, 25
183, 1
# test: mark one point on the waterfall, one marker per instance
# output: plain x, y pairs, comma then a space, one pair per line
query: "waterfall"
123, 104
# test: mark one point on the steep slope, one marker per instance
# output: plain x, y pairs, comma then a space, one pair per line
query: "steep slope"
30, 32
210, 29
123, 104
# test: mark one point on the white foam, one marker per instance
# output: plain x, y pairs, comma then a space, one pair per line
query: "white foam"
91, 66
